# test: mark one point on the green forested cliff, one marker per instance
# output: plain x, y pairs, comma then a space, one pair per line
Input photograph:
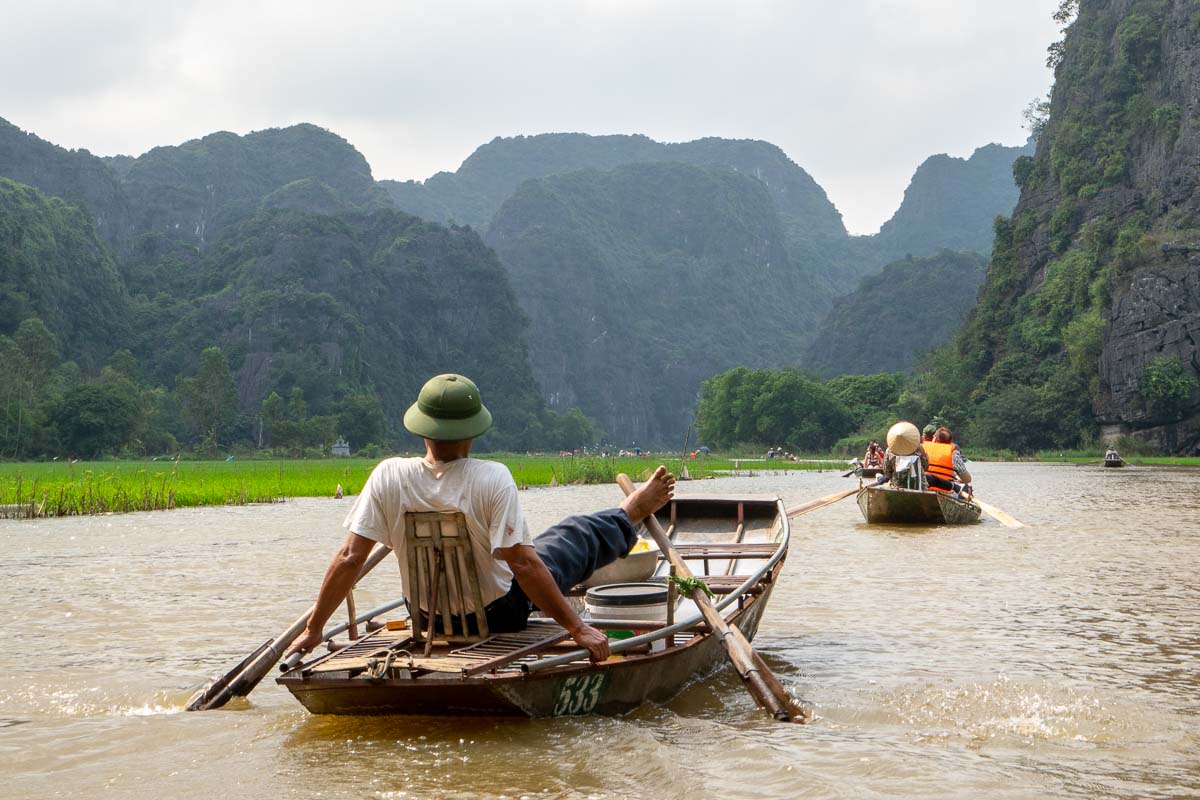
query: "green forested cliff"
891, 319
642, 281
54, 266
194, 190
952, 202
697, 256
278, 252
472, 194
76, 176
335, 305
1089, 316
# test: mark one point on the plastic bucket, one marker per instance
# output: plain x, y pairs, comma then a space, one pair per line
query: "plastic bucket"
637, 601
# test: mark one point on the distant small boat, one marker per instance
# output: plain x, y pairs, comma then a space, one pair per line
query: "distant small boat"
860, 470
1114, 462
884, 505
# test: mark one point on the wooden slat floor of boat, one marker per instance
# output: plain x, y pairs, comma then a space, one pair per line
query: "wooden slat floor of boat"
741, 550
476, 654
348, 657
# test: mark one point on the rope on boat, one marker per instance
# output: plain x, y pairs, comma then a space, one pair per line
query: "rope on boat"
378, 668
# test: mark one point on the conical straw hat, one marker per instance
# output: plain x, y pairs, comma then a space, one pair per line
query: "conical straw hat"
903, 438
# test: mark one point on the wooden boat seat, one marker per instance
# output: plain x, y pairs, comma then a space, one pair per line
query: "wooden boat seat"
445, 582
727, 584
735, 551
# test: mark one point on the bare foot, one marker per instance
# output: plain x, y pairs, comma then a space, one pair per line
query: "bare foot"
650, 496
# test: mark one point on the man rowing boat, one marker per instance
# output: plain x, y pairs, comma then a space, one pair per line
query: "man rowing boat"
516, 572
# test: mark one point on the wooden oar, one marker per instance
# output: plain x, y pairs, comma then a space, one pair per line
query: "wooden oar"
998, 514
242, 679
820, 502
764, 687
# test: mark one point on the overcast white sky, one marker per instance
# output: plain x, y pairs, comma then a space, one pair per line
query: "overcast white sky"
858, 92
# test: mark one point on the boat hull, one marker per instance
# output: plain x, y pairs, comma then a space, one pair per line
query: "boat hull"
616, 687
1114, 462
884, 505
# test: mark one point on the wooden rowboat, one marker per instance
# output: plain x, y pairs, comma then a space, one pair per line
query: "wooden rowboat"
886, 505
1114, 462
737, 546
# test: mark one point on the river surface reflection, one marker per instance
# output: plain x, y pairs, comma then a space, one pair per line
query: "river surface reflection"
1057, 660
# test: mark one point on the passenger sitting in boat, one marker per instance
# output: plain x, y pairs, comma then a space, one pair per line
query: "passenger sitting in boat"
904, 453
947, 470
1111, 455
928, 431
515, 570
873, 458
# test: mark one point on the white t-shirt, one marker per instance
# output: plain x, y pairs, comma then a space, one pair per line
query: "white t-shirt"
483, 491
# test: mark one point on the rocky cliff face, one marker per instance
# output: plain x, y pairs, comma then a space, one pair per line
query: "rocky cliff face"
195, 190
952, 203
642, 281
472, 194
891, 319
1155, 308
1097, 271
77, 176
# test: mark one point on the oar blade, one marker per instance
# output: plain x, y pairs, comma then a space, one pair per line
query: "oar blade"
998, 514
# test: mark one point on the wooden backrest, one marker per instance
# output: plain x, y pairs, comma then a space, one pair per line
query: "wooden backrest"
441, 569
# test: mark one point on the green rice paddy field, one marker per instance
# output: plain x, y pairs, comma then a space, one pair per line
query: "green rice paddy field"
64, 489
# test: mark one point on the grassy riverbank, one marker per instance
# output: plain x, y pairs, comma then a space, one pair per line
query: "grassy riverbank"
64, 489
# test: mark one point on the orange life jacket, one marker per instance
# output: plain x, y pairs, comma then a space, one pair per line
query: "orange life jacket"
941, 461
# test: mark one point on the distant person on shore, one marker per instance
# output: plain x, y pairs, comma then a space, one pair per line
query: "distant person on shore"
516, 571
904, 461
947, 470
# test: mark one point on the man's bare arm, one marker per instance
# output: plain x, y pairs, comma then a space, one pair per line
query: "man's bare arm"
339, 580
538, 584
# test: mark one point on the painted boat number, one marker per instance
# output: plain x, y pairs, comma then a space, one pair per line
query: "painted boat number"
579, 694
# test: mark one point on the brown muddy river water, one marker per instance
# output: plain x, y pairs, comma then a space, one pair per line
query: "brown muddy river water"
1058, 660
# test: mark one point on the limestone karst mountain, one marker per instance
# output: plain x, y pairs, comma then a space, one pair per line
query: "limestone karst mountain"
891, 319
1090, 314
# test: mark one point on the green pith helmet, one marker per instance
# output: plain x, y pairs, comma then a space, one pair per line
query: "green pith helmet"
929, 430
448, 409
